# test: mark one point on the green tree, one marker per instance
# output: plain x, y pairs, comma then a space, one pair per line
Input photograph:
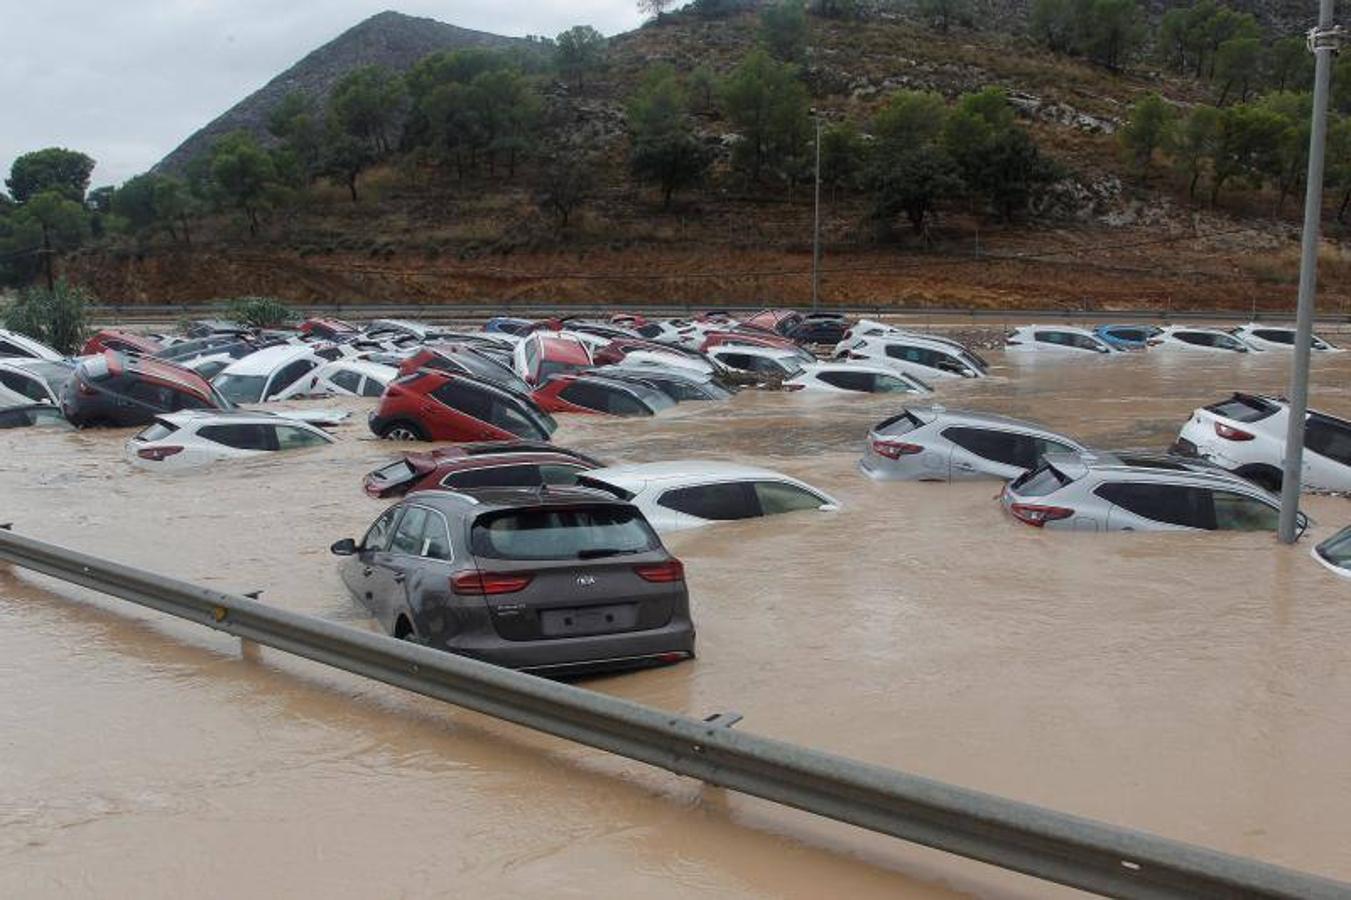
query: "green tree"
1246, 148
1238, 68
62, 223
563, 183
768, 106
1341, 84
241, 174
943, 14
134, 201
345, 158
300, 128
835, 9
1148, 128
997, 159
57, 315
580, 49
52, 169
1288, 162
368, 104
1194, 144
843, 153
702, 86
665, 149
1055, 24
911, 171
783, 30
1339, 165
1288, 65
1111, 31
175, 208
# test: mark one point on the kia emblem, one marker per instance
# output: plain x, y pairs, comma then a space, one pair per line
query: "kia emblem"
586, 580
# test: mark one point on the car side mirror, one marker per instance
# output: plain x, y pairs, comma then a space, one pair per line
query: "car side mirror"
344, 547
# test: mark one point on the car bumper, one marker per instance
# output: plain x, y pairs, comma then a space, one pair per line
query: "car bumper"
376, 423
671, 643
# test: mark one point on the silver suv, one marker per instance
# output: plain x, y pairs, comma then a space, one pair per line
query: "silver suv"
1124, 491
938, 444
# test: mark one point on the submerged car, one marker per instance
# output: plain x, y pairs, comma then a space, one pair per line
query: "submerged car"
1246, 435
1205, 340
1063, 339
678, 384
1335, 553
692, 493
542, 354
552, 581
196, 438
1127, 337
761, 362
39, 380
18, 346
523, 469
122, 341
1138, 492
855, 378
1276, 337
585, 392
443, 406
938, 444
396, 478
927, 358
31, 415
119, 391
349, 378
273, 373
466, 360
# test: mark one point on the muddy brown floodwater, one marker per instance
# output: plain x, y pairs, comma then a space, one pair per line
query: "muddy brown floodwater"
1193, 685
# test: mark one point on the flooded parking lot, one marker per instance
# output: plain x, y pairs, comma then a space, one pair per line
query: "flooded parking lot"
1193, 685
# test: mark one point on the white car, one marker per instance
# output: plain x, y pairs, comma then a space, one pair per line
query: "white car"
1276, 337
1196, 338
924, 357
695, 365
690, 494
187, 440
270, 374
1246, 435
346, 378
1062, 339
38, 380
1335, 553
17, 346
761, 361
855, 378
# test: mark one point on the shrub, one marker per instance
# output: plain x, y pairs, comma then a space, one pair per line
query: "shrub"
58, 318
259, 312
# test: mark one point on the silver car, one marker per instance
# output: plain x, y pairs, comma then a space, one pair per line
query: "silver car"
938, 444
1126, 491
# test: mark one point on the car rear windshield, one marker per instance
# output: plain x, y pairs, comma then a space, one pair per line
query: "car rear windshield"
1244, 409
899, 424
241, 388
158, 431
589, 532
1040, 482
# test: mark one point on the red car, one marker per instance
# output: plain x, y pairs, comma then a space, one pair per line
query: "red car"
447, 406
542, 354
329, 329
121, 341
437, 470
584, 393
465, 360
777, 321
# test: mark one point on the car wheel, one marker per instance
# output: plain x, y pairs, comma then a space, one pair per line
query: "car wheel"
403, 431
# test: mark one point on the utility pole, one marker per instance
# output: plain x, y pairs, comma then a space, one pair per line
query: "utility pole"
816, 226
1323, 43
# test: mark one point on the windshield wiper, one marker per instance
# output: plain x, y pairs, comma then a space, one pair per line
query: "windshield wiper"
598, 552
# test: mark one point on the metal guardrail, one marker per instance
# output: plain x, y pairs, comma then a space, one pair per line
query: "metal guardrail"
1035, 841
480, 310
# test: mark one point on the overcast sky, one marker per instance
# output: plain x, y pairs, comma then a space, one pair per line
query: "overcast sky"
127, 80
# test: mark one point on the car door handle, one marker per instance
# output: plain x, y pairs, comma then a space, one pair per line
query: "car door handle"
367, 571
400, 577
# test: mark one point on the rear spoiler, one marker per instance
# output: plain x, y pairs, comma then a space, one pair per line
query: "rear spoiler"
596, 484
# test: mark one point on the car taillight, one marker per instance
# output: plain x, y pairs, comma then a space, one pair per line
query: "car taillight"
1035, 514
157, 453
794, 387
1153, 342
663, 572
895, 449
1230, 433
484, 583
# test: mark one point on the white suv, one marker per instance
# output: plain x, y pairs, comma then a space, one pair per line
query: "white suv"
925, 358
1246, 435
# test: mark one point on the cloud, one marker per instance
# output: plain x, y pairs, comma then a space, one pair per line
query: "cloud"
126, 82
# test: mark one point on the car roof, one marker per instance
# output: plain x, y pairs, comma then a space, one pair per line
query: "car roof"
1173, 469
906, 337
160, 369
693, 471
853, 365
268, 359
1072, 329
469, 462
976, 417
563, 348
482, 500
753, 350
33, 365
231, 417
364, 366
1174, 329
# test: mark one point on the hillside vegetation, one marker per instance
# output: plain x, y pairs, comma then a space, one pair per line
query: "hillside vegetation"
1089, 155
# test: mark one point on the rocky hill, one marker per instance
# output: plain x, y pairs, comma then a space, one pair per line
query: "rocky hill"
390, 39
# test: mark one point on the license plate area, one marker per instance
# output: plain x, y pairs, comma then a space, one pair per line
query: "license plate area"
585, 620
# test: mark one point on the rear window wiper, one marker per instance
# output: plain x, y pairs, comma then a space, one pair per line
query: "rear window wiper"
598, 552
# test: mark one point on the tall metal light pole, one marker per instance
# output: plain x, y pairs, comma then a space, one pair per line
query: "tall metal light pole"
816, 225
1323, 42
